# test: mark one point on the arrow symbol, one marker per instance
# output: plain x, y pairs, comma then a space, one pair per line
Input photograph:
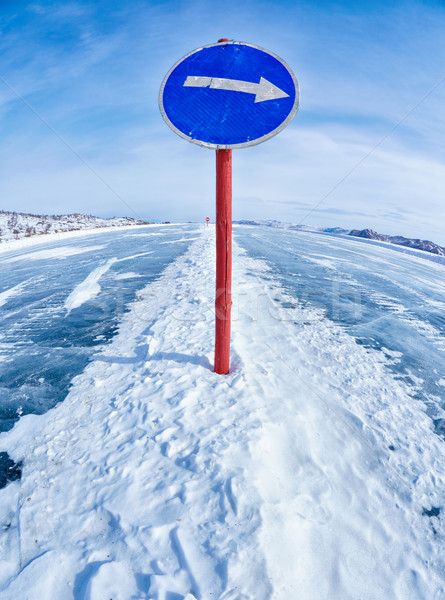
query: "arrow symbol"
264, 90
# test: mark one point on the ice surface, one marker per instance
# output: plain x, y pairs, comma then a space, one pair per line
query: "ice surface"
310, 472
7, 294
129, 275
55, 312
385, 299
60, 253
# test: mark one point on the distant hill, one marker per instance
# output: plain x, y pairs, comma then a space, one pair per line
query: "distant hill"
19, 225
277, 224
369, 234
424, 245
281, 225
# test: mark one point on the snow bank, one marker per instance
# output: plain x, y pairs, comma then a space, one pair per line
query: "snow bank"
304, 473
35, 240
19, 225
89, 287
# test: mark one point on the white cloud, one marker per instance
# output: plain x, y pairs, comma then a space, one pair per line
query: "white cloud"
360, 73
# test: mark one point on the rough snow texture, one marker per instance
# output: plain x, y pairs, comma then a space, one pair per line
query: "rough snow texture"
303, 474
14, 226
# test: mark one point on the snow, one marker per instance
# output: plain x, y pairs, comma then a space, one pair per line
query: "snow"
42, 345
15, 226
58, 253
14, 291
128, 275
35, 240
381, 297
304, 473
89, 288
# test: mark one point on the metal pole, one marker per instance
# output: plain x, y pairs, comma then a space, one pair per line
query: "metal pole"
223, 297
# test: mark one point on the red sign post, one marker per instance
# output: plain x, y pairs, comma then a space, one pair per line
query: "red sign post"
224, 96
223, 296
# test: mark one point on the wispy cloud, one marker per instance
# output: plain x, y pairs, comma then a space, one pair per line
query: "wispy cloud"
93, 71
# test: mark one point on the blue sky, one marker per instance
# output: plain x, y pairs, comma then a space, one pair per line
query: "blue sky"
92, 70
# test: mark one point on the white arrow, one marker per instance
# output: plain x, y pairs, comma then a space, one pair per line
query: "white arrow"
264, 90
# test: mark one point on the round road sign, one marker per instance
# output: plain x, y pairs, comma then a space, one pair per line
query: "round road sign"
229, 95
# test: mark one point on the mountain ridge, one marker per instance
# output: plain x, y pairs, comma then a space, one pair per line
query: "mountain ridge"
417, 243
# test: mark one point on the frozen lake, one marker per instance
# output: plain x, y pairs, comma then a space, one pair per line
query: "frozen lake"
311, 470
60, 300
385, 298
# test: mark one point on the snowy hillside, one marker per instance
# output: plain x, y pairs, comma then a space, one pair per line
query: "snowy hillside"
19, 225
315, 470
418, 244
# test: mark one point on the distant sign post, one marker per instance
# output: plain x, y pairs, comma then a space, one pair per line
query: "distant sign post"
224, 96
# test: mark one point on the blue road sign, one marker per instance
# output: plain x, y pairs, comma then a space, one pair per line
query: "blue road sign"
229, 95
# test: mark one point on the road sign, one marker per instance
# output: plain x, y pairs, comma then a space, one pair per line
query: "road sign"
223, 96
229, 95
207, 219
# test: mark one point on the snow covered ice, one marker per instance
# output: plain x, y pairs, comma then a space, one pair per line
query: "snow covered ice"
58, 302
313, 471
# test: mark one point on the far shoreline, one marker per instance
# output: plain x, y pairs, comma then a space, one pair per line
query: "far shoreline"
37, 239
